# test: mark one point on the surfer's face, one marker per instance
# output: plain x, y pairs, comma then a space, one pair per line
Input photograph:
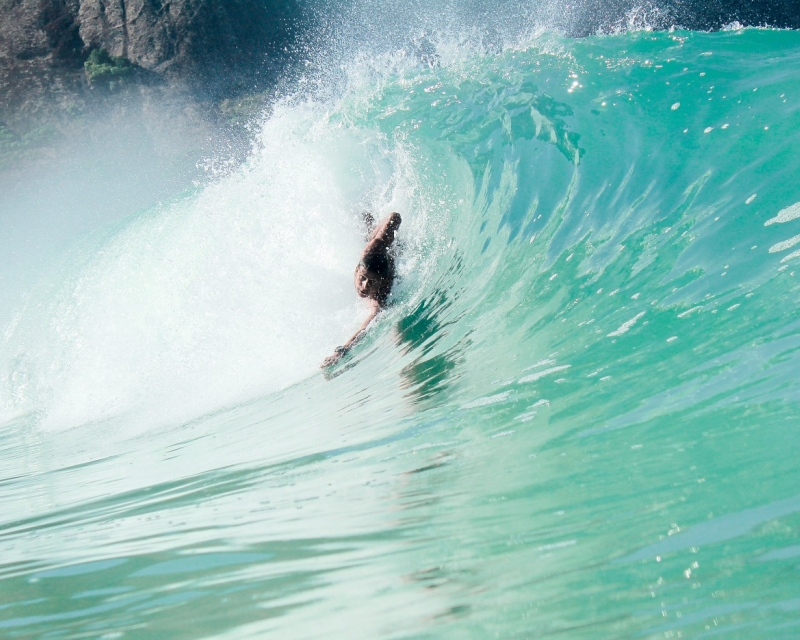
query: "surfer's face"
367, 282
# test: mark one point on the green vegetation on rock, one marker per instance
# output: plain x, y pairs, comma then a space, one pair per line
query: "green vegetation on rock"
106, 70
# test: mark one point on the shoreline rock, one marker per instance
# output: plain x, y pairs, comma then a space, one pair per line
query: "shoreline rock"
213, 49
66, 61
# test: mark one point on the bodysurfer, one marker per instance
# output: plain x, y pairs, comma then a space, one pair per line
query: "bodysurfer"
373, 278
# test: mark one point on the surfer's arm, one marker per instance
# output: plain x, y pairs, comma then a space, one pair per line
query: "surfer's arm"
374, 311
340, 351
383, 235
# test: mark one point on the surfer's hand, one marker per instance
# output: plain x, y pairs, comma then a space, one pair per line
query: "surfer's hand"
330, 360
334, 357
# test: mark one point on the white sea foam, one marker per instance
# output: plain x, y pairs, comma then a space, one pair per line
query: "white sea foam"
541, 374
541, 363
689, 311
785, 244
482, 402
784, 215
791, 256
224, 295
626, 326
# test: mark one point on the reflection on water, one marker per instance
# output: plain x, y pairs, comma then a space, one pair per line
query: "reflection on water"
428, 376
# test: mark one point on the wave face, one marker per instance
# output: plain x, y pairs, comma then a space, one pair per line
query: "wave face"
576, 417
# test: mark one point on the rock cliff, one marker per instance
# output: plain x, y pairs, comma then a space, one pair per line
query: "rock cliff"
209, 47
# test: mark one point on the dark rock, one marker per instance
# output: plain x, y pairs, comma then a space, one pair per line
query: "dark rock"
58, 20
714, 14
214, 45
212, 48
587, 17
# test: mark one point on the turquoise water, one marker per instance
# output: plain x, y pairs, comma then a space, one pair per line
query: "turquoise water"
578, 418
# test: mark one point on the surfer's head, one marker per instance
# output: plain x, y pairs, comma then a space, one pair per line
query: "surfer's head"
374, 275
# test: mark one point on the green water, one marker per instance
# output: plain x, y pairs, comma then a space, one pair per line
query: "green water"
578, 419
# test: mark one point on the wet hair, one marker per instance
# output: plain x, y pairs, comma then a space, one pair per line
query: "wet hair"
380, 264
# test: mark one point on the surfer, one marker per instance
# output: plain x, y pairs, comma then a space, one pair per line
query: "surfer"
373, 278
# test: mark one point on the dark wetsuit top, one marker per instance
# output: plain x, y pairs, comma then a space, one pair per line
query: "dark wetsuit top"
381, 263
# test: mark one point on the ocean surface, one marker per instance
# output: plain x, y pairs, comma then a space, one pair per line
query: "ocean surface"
578, 418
